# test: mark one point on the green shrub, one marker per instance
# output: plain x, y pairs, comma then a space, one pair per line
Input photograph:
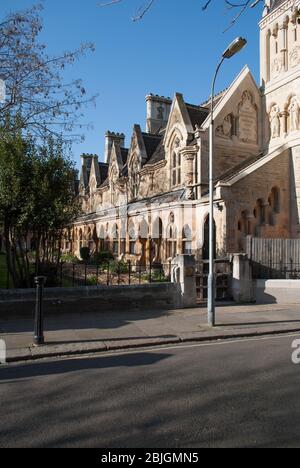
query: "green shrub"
157, 276
100, 258
69, 258
118, 267
92, 281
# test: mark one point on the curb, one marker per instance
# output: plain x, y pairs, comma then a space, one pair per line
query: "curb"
34, 354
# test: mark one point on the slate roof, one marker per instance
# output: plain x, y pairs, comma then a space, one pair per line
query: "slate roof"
170, 197
124, 172
151, 143
239, 168
158, 155
124, 153
275, 4
218, 97
197, 114
103, 168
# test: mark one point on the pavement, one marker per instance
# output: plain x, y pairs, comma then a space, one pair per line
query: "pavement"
233, 393
83, 332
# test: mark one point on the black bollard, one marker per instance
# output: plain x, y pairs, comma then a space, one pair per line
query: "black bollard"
38, 338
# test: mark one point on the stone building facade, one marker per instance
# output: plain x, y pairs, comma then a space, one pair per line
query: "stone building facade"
149, 202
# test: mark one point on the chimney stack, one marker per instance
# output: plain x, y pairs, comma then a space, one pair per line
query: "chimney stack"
158, 111
110, 138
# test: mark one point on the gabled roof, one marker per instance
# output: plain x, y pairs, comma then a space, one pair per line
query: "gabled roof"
197, 114
244, 75
124, 154
86, 169
103, 169
227, 176
151, 143
158, 155
164, 198
217, 98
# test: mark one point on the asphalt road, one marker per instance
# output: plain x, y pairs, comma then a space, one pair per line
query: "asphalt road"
237, 394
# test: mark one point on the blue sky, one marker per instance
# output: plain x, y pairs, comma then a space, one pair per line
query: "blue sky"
173, 49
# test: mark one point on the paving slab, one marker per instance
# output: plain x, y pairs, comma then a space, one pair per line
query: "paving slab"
87, 332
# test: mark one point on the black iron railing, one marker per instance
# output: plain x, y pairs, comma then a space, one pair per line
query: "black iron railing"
281, 270
112, 273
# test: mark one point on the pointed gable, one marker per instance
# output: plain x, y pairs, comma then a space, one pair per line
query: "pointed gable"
244, 82
95, 178
179, 119
86, 164
116, 160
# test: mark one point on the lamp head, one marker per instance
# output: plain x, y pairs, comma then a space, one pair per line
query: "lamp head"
236, 46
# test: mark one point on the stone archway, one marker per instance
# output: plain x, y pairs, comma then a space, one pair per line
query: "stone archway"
157, 241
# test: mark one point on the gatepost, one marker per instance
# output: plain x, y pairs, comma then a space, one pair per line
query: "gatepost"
242, 282
184, 274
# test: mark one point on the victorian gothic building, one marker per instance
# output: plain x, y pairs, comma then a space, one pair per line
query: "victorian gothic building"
150, 201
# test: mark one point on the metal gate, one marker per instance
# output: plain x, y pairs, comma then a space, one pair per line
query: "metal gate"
223, 275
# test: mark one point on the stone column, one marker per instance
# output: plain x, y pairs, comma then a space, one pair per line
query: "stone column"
242, 282
184, 273
284, 116
189, 155
283, 44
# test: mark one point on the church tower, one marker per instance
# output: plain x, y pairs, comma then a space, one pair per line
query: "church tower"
280, 80
280, 69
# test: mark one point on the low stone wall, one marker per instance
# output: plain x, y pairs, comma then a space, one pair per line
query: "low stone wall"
92, 299
277, 291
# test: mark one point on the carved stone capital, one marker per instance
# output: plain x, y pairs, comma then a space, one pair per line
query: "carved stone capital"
188, 153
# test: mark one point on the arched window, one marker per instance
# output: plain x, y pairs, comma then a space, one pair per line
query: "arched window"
157, 237
274, 199
134, 177
176, 162
132, 238
157, 229
260, 212
187, 240
144, 230
171, 237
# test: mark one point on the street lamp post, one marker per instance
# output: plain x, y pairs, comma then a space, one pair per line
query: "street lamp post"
235, 47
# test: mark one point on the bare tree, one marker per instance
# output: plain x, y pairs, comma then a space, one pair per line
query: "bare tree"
37, 98
240, 5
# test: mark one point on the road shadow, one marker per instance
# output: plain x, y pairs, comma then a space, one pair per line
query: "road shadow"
74, 365
93, 318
